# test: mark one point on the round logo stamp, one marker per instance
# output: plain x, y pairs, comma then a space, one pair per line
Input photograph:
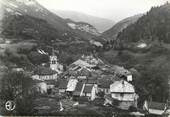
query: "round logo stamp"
10, 105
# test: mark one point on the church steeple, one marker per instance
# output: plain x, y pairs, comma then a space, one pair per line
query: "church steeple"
54, 65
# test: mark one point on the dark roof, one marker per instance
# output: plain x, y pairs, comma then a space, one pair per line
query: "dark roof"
85, 72
50, 82
156, 105
91, 81
63, 84
78, 89
79, 86
44, 71
104, 83
87, 89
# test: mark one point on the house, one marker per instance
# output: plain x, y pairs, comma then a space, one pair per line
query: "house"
91, 80
40, 86
122, 73
104, 85
88, 62
155, 108
44, 73
83, 64
78, 90
92, 60
71, 86
123, 94
62, 85
89, 90
50, 84
18, 69
167, 113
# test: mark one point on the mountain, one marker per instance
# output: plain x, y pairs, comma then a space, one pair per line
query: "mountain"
82, 26
26, 21
32, 8
118, 27
152, 27
100, 24
145, 46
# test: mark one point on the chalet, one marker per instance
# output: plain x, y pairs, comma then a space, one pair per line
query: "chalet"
62, 85
123, 95
44, 73
155, 108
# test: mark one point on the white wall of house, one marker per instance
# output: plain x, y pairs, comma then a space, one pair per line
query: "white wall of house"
50, 86
41, 87
129, 77
156, 111
45, 77
124, 92
124, 96
72, 85
62, 91
93, 93
126, 104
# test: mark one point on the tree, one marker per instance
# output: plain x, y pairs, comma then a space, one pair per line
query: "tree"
37, 58
17, 86
155, 81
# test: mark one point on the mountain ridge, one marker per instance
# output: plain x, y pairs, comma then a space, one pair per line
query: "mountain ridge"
112, 33
101, 24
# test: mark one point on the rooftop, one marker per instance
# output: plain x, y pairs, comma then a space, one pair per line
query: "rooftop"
63, 84
122, 87
78, 89
156, 105
44, 71
104, 83
72, 84
88, 89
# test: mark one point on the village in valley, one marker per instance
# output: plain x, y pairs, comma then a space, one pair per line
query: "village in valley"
66, 63
88, 83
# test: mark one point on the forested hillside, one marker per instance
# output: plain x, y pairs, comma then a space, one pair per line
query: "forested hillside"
154, 26
112, 33
145, 47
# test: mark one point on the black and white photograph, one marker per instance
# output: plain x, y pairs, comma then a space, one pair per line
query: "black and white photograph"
85, 58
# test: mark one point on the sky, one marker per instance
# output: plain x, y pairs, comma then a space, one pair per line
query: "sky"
110, 9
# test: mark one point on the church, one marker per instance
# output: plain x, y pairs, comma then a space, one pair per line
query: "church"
54, 65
